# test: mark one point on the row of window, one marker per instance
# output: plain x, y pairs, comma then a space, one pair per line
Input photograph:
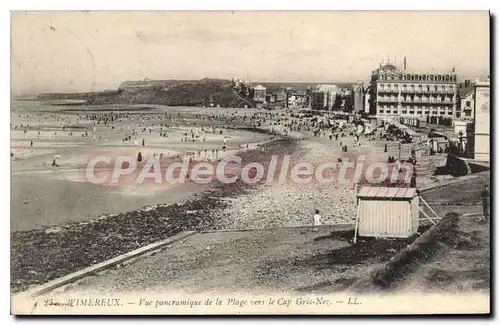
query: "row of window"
423, 87
416, 77
405, 107
422, 96
395, 112
436, 100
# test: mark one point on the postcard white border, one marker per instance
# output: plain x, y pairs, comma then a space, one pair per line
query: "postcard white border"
185, 4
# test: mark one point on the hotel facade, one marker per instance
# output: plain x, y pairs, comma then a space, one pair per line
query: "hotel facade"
397, 92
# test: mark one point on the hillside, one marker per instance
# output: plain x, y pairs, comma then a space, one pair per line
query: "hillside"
76, 96
171, 92
168, 92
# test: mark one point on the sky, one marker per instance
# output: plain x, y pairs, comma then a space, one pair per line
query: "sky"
89, 51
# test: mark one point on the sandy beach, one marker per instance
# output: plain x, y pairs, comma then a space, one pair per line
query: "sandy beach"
44, 195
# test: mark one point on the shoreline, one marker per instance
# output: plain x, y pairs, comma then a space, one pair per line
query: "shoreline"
40, 255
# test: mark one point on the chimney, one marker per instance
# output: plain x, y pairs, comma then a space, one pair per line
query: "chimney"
404, 63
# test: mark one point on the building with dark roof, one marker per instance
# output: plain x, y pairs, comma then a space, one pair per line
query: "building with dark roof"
399, 92
358, 94
466, 103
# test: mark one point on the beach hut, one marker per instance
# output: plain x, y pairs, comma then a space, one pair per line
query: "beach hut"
389, 212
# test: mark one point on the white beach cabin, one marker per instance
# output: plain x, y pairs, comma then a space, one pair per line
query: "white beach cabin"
389, 212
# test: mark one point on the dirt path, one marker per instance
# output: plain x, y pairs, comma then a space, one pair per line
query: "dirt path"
288, 260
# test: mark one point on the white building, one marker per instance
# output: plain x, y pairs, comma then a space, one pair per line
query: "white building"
323, 97
397, 92
258, 94
481, 125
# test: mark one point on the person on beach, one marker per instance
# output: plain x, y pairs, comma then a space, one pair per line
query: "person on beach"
316, 220
485, 195
413, 180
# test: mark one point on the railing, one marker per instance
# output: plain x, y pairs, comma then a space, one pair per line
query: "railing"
389, 90
387, 99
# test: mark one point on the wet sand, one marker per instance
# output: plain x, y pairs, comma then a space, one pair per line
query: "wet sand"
43, 195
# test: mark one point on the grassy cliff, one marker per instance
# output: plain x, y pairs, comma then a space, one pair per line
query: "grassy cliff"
168, 92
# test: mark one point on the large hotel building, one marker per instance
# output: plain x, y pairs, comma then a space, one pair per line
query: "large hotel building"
397, 92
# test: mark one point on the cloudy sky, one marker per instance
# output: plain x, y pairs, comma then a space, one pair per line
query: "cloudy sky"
84, 51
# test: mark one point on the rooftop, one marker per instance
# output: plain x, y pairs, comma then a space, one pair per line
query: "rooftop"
327, 88
466, 92
392, 68
389, 66
387, 192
